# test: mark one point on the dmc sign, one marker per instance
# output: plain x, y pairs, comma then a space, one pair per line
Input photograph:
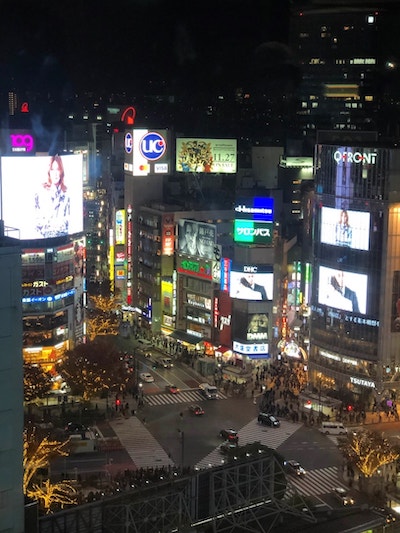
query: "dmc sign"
21, 142
128, 143
355, 157
152, 146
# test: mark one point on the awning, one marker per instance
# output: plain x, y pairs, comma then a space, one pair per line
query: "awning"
186, 337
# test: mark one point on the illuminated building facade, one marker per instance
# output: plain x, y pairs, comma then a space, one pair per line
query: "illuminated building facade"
355, 333
53, 300
343, 48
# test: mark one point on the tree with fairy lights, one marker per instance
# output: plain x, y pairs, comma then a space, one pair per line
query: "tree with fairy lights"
368, 452
37, 456
102, 316
94, 368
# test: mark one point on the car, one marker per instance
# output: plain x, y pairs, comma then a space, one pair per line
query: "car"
227, 446
173, 389
230, 435
268, 420
196, 410
146, 377
294, 468
386, 513
148, 355
342, 495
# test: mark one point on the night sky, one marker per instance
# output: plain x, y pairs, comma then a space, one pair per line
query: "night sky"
64, 47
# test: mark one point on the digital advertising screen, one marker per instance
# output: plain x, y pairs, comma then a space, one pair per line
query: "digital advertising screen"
343, 290
251, 282
197, 239
342, 227
206, 155
42, 196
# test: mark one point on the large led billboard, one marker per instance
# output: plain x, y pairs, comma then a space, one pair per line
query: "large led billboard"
342, 227
42, 195
146, 152
206, 155
197, 239
343, 290
250, 282
252, 232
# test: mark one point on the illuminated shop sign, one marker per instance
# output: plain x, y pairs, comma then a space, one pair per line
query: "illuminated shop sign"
129, 257
199, 301
54, 298
168, 234
146, 152
120, 226
200, 269
362, 382
250, 349
21, 142
355, 157
252, 232
256, 208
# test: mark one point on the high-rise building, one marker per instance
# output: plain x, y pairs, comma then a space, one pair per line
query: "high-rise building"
355, 321
11, 388
347, 53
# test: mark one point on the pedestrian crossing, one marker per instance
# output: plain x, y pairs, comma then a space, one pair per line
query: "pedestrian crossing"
254, 432
184, 396
142, 447
316, 482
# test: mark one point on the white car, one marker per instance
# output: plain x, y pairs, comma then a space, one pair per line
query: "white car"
146, 377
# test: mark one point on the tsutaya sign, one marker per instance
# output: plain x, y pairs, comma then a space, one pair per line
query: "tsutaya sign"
362, 382
355, 157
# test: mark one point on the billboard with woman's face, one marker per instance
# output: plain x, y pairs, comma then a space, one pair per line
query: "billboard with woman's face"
42, 195
342, 227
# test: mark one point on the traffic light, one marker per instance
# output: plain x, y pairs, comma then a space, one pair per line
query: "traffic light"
117, 403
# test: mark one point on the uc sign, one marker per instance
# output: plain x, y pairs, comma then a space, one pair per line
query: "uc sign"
152, 146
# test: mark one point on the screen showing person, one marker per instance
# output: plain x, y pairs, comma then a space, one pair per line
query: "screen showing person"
341, 227
251, 286
206, 241
52, 202
343, 290
48, 200
187, 237
257, 328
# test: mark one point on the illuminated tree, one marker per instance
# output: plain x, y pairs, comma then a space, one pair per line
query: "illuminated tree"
102, 316
53, 494
368, 451
92, 368
37, 454
37, 383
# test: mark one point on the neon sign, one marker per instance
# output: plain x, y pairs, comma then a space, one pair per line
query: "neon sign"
21, 142
355, 157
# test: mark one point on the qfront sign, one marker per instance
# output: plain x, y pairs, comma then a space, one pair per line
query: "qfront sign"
362, 158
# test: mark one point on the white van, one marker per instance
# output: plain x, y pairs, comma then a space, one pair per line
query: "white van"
333, 428
209, 391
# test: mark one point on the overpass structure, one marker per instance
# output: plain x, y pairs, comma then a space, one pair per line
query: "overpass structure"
247, 495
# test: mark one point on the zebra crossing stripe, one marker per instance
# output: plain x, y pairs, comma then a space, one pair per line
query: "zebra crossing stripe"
318, 482
190, 396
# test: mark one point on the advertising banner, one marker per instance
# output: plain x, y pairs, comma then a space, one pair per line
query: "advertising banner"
146, 152
42, 196
198, 239
120, 227
342, 227
168, 234
206, 155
